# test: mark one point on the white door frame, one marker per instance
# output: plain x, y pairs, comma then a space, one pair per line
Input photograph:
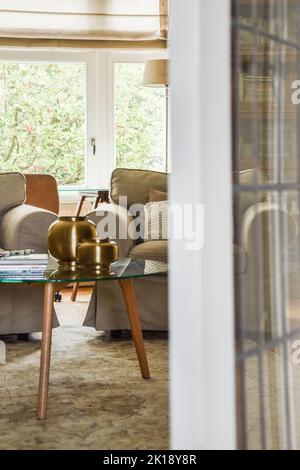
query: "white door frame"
201, 283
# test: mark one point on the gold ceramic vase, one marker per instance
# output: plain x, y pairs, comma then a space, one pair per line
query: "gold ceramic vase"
63, 237
97, 254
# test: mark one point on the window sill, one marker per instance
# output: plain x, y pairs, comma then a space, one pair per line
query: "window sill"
68, 196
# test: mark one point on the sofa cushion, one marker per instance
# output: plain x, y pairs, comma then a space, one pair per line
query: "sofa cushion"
157, 196
156, 250
136, 185
12, 191
156, 221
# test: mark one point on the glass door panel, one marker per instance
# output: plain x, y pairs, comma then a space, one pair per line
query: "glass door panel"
266, 202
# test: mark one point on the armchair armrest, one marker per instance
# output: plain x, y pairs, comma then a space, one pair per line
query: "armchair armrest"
26, 227
119, 219
267, 214
263, 220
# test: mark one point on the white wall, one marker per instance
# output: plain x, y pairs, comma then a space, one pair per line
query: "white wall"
201, 300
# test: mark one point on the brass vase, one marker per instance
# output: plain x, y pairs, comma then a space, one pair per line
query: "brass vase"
63, 237
97, 254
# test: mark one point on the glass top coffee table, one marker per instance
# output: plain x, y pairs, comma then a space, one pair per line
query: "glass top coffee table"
123, 271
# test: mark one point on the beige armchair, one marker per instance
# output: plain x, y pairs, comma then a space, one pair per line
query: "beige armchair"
106, 310
258, 255
21, 226
258, 216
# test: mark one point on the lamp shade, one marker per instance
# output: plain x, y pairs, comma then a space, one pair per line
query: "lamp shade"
156, 73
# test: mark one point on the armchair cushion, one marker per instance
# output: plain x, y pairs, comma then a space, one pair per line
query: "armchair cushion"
156, 250
136, 185
12, 191
157, 196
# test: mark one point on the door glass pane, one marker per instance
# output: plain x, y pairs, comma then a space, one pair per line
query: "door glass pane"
140, 120
42, 119
266, 202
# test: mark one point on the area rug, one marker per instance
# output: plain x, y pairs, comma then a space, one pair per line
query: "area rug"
267, 401
97, 398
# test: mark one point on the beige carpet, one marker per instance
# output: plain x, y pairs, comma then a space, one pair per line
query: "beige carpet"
97, 399
272, 393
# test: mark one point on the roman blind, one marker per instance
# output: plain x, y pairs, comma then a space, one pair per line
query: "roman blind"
84, 20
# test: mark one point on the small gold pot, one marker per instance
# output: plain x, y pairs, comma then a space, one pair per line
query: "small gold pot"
63, 237
97, 254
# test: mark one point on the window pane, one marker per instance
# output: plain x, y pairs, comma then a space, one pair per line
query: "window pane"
140, 119
42, 119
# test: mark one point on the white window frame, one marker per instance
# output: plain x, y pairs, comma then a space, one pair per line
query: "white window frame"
90, 58
100, 106
122, 57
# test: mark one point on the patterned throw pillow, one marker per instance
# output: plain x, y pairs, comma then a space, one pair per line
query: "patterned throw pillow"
156, 221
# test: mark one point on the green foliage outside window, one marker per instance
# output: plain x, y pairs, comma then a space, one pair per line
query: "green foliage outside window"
42, 119
140, 120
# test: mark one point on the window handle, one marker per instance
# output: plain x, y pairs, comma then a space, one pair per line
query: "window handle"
93, 144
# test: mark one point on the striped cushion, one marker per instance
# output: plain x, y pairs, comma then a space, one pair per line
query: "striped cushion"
156, 221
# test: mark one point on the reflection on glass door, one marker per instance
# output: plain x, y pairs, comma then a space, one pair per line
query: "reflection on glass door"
266, 204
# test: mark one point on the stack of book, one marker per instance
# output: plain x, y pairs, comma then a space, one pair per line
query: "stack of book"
24, 266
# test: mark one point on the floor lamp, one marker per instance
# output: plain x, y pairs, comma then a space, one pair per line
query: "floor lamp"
156, 75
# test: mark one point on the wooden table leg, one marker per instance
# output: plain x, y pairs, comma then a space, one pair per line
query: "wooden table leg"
45, 351
132, 312
74, 292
